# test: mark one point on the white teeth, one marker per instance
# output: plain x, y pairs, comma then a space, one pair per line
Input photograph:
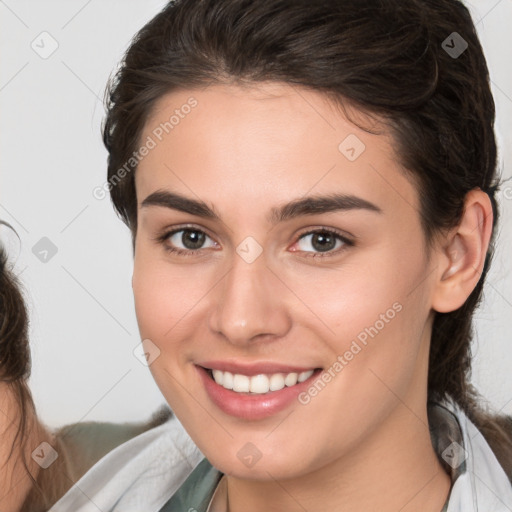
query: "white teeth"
291, 379
240, 383
276, 382
227, 380
218, 376
260, 383
304, 375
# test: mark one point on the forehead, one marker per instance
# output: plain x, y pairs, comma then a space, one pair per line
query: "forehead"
271, 139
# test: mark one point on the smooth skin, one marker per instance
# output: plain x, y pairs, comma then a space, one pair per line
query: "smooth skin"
363, 442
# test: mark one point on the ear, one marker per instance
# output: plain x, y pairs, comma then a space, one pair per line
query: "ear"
462, 253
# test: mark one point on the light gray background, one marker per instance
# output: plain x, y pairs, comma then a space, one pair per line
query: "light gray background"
83, 327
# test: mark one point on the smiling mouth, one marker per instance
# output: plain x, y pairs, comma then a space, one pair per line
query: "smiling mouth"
261, 383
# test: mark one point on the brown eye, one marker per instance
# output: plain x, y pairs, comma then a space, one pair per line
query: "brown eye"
185, 241
191, 239
322, 241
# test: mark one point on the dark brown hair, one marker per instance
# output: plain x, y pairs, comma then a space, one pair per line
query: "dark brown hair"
387, 59
15, 365
14, 345
72, 442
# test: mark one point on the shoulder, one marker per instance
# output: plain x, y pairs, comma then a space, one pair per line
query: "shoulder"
140, 474
84, 444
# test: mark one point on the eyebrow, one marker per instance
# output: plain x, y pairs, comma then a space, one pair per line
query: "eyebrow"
311, 205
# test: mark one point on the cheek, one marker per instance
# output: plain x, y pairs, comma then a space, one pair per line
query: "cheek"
151, 297
166, 296
164, 307
343, 304
371, 312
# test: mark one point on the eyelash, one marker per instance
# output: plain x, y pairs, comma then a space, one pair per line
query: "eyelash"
162, 239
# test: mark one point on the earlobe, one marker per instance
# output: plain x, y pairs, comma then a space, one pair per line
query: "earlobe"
462, 257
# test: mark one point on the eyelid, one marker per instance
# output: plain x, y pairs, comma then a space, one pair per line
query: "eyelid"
346, 235
170, 230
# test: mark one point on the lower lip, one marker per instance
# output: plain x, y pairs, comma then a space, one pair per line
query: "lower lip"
252, 406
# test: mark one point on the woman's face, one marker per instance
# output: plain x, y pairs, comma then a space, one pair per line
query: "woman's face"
309, 256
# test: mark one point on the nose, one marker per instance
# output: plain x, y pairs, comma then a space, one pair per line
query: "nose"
251, 304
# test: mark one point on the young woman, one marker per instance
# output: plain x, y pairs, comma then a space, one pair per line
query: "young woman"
38, 465
19, 428
310, 188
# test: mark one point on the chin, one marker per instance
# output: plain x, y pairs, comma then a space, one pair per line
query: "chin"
250, 463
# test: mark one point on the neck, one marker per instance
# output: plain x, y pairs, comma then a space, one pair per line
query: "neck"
395, 469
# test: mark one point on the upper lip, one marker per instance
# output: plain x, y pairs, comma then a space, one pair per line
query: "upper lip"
255, 368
